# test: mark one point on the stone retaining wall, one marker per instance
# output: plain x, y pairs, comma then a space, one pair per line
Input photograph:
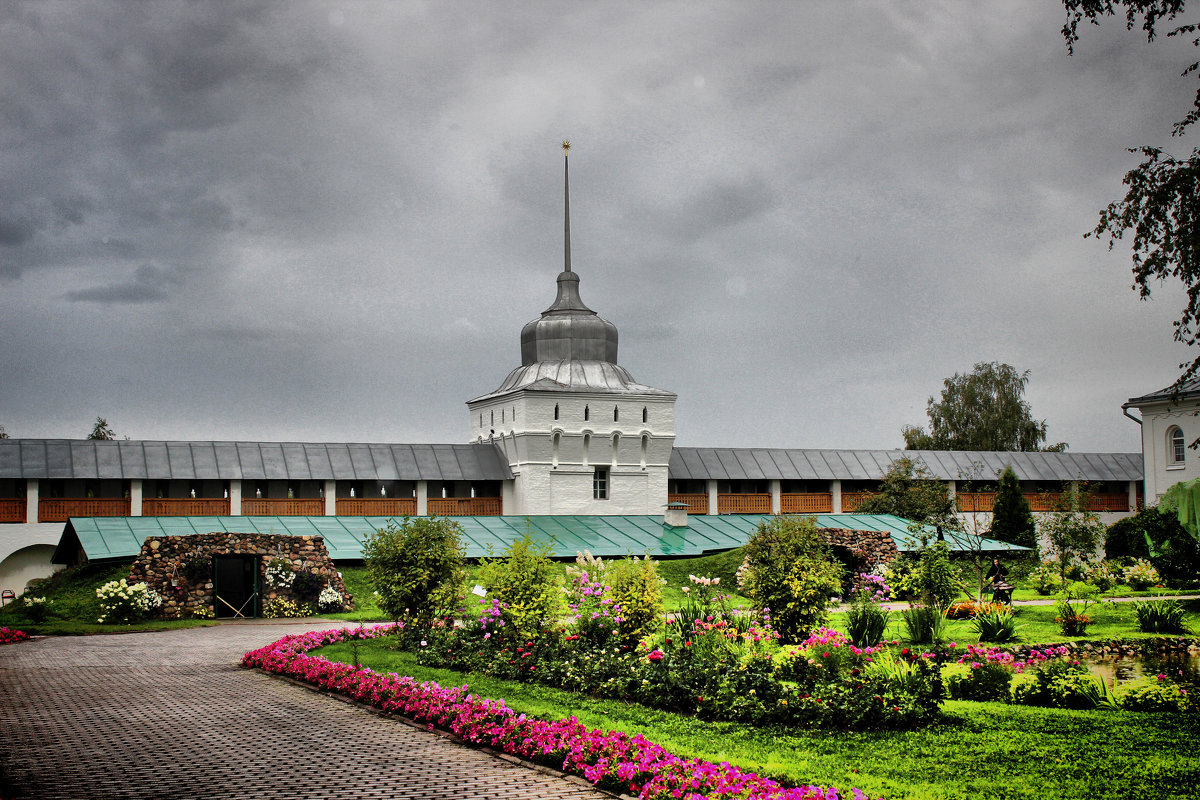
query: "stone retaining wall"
162, 564
876, 547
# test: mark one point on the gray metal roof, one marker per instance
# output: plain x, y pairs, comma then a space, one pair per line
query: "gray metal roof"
85, 458
715, 463
1188, 389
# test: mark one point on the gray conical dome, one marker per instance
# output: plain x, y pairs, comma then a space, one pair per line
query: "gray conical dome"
568, 330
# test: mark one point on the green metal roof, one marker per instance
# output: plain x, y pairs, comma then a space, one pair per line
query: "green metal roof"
110, 538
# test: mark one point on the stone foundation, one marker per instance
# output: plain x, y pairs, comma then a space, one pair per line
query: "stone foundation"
162, 564
871, 548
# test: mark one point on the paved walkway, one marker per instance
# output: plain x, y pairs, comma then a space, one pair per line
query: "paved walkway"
171, 715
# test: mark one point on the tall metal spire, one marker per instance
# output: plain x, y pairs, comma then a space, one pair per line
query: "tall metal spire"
566, 146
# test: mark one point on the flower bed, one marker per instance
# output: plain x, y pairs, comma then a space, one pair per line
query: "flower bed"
12, 636
610, 760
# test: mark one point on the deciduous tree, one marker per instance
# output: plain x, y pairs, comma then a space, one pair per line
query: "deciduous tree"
101, 431
909, 491
1161, 207
984, 409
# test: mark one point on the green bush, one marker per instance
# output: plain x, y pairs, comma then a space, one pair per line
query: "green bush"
995, 626
935, 577
528, 585
791, 570
1160, 616
1158, 537
417, 568
1025, 689
901, 576
636, 589
1078, 690
924, 624
1148, 695
980, 681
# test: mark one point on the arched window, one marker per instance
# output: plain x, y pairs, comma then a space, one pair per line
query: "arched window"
645, 448
587, 413
616, 446
554, 456
587, 446
556, 410
645, 414
1176, 447
616, 414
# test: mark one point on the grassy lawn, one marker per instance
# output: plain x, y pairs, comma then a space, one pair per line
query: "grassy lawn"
986, 750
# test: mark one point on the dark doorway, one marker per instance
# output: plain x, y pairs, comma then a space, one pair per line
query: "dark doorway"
235, 586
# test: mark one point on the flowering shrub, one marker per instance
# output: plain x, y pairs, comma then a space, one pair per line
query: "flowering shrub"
279, 573
1047, 677
1104, 575
790, 569
526, 582
715, 663
1141, 575
12, 636
1045, 578
1071, 604
637, 591
610, 760
279, 607
35, 608
329, 601
124, 602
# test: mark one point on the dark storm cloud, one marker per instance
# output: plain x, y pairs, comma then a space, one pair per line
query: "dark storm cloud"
148, 284
801, 217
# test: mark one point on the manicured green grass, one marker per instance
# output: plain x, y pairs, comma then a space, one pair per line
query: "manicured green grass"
986, 750
724, 565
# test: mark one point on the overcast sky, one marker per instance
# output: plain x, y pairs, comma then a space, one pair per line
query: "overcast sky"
329, 221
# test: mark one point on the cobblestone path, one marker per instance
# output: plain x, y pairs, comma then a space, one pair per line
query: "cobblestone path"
171, 715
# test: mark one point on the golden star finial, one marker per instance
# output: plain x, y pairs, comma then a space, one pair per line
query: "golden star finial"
566, 145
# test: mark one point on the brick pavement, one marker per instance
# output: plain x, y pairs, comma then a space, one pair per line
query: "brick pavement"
171, 715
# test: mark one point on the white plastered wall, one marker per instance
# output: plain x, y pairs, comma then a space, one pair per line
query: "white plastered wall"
554, 456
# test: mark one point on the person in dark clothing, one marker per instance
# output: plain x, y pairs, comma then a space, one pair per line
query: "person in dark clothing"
997, 575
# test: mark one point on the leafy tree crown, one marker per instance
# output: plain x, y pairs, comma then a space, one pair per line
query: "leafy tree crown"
984, 409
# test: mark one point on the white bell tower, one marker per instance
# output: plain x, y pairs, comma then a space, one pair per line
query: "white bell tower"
581, 435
